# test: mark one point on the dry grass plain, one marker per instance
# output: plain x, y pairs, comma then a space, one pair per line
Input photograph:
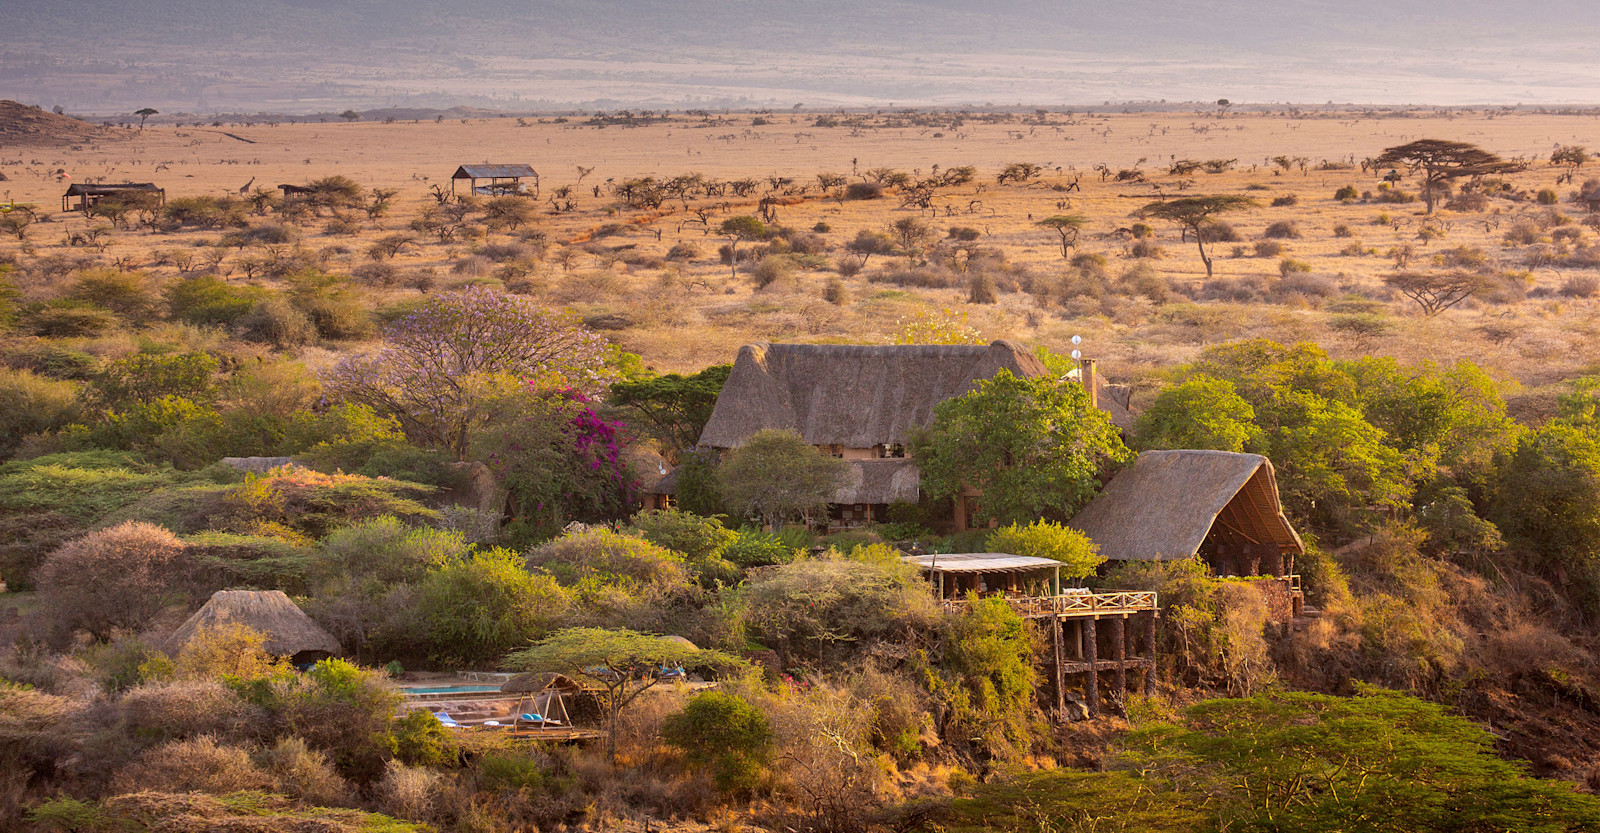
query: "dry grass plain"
681, 315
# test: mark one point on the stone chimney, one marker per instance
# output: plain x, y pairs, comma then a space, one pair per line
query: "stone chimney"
1091, 382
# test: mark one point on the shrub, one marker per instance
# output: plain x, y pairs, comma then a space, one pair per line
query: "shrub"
273, 320
113, 578
408, 792
1146, 248
1147, 282
1548, 196
228, 649
771, 269
683, 250
1269, 248
30, 404
1218, 231
1043, 539
1581, 286
700, 540
421, 740
127, 294
1348, 193
476, 608
981, 289
207, 299
1286, 201
303, 773
610, 558
817, 609
725, 734
158, 711
863, 191
835, 292
196, 765
344, 711
1283, 230
68, 318
754, 548
1289, 266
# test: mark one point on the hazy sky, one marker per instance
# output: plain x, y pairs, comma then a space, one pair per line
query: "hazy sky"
296, 56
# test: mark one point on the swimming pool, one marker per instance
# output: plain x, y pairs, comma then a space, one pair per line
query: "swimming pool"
451, 689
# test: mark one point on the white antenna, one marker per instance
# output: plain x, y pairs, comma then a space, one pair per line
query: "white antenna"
1077, 354
1077, 339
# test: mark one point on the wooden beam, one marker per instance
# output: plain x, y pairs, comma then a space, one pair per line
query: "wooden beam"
1091, 683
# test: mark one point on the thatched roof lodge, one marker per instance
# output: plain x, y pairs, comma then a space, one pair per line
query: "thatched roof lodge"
1172, 505
289, 631
861, 404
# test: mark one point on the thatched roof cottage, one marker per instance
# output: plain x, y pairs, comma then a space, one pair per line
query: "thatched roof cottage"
289, 631
1221, 506
859, 403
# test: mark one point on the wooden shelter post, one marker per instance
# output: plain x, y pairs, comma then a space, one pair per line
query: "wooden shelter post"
1061, 676
1150, 653
1119, 652
1091, 683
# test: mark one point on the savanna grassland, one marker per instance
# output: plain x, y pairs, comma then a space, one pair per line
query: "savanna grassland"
686, 312
470, 391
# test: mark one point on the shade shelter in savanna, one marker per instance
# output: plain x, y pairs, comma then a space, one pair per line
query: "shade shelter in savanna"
1090, 632
88, 194
502, 178
288, 630
547, 694
1218, 505
859, 403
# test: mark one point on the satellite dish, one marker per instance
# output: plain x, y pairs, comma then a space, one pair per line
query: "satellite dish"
1077, 354
1077, 339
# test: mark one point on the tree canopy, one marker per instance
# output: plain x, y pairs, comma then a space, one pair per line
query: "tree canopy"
1034, 447
1193, 212
777, 476
674, 407
1441, 160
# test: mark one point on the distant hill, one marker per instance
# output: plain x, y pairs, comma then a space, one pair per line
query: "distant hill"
298, 55
24, 126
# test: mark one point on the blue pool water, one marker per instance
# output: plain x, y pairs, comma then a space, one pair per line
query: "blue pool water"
452, 689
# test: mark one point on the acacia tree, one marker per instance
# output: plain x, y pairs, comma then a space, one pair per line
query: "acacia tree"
444, 367
1034, 447
775, 475
743, 227
1436, 292
145, 114
676, 407
1067, 226
1442, 160
1193, 212
624, 663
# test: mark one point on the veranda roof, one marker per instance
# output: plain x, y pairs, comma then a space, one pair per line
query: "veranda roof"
981, 562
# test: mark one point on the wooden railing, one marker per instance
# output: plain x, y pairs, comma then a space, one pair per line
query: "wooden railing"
1072, 604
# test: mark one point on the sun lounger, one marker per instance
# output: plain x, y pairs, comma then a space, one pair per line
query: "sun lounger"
447, 720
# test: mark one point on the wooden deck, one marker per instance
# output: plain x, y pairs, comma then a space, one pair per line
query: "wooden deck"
1070, 605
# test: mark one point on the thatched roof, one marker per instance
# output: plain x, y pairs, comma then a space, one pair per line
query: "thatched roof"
1162, 507
856, 396
101, 189
880, 481
288, 629
504, 171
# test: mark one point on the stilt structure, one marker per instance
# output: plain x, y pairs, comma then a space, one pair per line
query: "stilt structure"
1032, 587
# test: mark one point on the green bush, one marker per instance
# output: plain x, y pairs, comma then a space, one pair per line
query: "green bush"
31, 404
421, 740
726, 735
700, 540
754, 548
273, 320
1043, 539
476, 608
819, 608
209, 300
67, 318
1348, 193
128, 294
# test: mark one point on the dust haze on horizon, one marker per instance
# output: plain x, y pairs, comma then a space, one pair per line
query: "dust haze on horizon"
96, 57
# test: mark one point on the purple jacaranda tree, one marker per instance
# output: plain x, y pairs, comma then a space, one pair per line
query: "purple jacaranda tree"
445, 368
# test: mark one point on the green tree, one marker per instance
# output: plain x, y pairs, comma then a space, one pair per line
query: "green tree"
1034, 447
700, 540
145, 113
475, 608
1044, 539
1067, 227
623, 663
1201, 412
1440, 161
737, 230
725, 734
1194, 214
776, 476
1381, 761
1547, 500
988, 681
675, 407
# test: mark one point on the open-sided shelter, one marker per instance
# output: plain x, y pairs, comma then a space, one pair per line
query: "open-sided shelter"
503, 178
88, 194
289, 631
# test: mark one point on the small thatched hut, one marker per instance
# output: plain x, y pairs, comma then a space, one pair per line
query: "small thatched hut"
1171, 505
289, 631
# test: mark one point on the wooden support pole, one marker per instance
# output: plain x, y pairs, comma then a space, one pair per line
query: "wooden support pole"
1150, 654
1119, 652
1061, 695
1091, 683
